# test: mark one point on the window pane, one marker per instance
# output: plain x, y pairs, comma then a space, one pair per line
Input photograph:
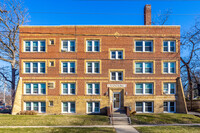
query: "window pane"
148, 68
28, 88
96, 67
120, 76
172, 89
35, 106
113, 55
72, 107
139, 46
42, 67
65, 67
89, 106
65, 45
72, 67
172, 46
89, 45
65, 88
42, 46
139, 107
27, 67
165, 67
65, 106
43, 88
172, 67
89, 88
113, 76
35, 88
148, 106
96, 46
43, 107
165, 46
165, 86
96, 109
138, 67
27, 46
148, 46
72, 88
35, 45
172, 105
139, 88
89, 67
120, 54
148, 88
96, 88
72, 45
28, 105
35, 67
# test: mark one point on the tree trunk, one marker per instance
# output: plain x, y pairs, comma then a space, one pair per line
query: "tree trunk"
13, 85
190, 86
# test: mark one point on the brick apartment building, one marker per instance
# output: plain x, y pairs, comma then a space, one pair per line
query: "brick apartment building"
85, 69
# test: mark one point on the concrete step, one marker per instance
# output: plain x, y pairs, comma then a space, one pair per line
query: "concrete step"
119, 115
120, 123
120, 118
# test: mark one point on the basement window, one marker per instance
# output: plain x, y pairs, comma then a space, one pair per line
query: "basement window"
51, 41
50, 103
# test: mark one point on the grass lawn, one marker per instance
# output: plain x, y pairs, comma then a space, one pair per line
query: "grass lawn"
57, 130
52, 120
169, 129
164, 118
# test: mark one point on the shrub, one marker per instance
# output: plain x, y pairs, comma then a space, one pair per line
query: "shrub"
133, 112
31, 112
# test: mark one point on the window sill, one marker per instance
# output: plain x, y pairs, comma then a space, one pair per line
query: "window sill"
34, 94
68, 94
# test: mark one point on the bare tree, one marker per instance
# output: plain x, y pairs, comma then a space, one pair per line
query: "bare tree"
161, 17
190, 46
12, 15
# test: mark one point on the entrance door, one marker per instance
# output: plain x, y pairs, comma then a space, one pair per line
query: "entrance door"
116, 100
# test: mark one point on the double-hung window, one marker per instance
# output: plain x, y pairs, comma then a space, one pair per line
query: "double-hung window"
68, 107
144, 88
169, 88
93, 88
34, 67
40, 107
34, 88
93, 107
92, 46
144, 67
116, 54
116, 76
92, 67
68, 88
169, 46
35, 46
144, 107
169, 67
68, 67
144, 46
169, 107
68, 45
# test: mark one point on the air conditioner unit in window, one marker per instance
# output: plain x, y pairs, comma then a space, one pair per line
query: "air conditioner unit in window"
51, 85
64, 50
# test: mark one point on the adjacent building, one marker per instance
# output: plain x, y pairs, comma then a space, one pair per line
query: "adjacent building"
84, 69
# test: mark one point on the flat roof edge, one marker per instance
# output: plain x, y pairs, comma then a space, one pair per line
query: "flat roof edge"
139, 26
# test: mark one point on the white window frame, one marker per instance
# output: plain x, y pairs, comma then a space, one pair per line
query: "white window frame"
69, 107
69, 44
68, 87
168, 67
168, 106
39, 106
93, 67
68, 67
116, 54
168, 46
39, 89
143, 68
93, 107
31, 45
143, 107
31, 67
143, 45
93, 42
93, 89
116, 75
169, 88
143, 87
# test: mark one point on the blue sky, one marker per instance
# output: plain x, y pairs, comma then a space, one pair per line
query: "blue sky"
109, 12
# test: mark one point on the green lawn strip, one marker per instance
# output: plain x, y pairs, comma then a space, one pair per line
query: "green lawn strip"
52, 120
169, 129
164, 118
57, 130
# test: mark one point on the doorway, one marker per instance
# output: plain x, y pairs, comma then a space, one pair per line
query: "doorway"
116, 100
